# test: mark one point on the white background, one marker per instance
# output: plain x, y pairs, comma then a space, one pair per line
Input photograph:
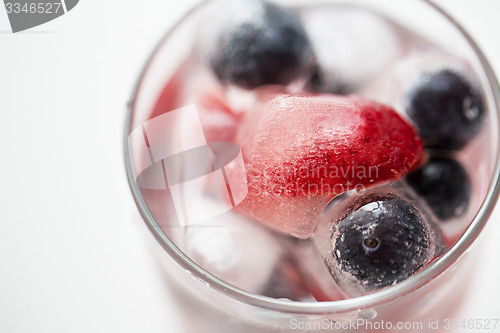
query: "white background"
75, 255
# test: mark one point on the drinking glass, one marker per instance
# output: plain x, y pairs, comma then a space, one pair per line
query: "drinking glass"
419, 303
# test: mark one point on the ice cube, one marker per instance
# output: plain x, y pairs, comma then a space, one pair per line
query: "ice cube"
219, 118
351, 45
300, 150
243, 253
315, 272
393, 86
377, 239
250, 43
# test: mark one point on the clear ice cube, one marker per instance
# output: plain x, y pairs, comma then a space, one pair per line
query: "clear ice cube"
376, 239
350, 44
242, 253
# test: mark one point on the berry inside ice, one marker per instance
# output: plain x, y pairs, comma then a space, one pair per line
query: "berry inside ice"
379, 244
447, 109
267, 46
301, 150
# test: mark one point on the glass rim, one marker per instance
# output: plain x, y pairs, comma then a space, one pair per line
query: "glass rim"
416, 281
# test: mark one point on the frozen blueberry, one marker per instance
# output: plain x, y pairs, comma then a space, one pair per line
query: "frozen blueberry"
447, 109
267, 46
444, 185
384, 241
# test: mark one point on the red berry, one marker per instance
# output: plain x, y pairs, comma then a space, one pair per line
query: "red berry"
302, 150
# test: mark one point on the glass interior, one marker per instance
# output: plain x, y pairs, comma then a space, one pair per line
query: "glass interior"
156, 82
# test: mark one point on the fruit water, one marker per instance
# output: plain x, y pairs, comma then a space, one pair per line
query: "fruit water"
312, 153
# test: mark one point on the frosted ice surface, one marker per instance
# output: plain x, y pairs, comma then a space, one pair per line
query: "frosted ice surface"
351, 45
315, 272
234, 249
368, 271
393, 85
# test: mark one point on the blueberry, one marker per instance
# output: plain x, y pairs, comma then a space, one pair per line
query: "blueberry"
379, 244
268, 46
444, 184
447, 109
